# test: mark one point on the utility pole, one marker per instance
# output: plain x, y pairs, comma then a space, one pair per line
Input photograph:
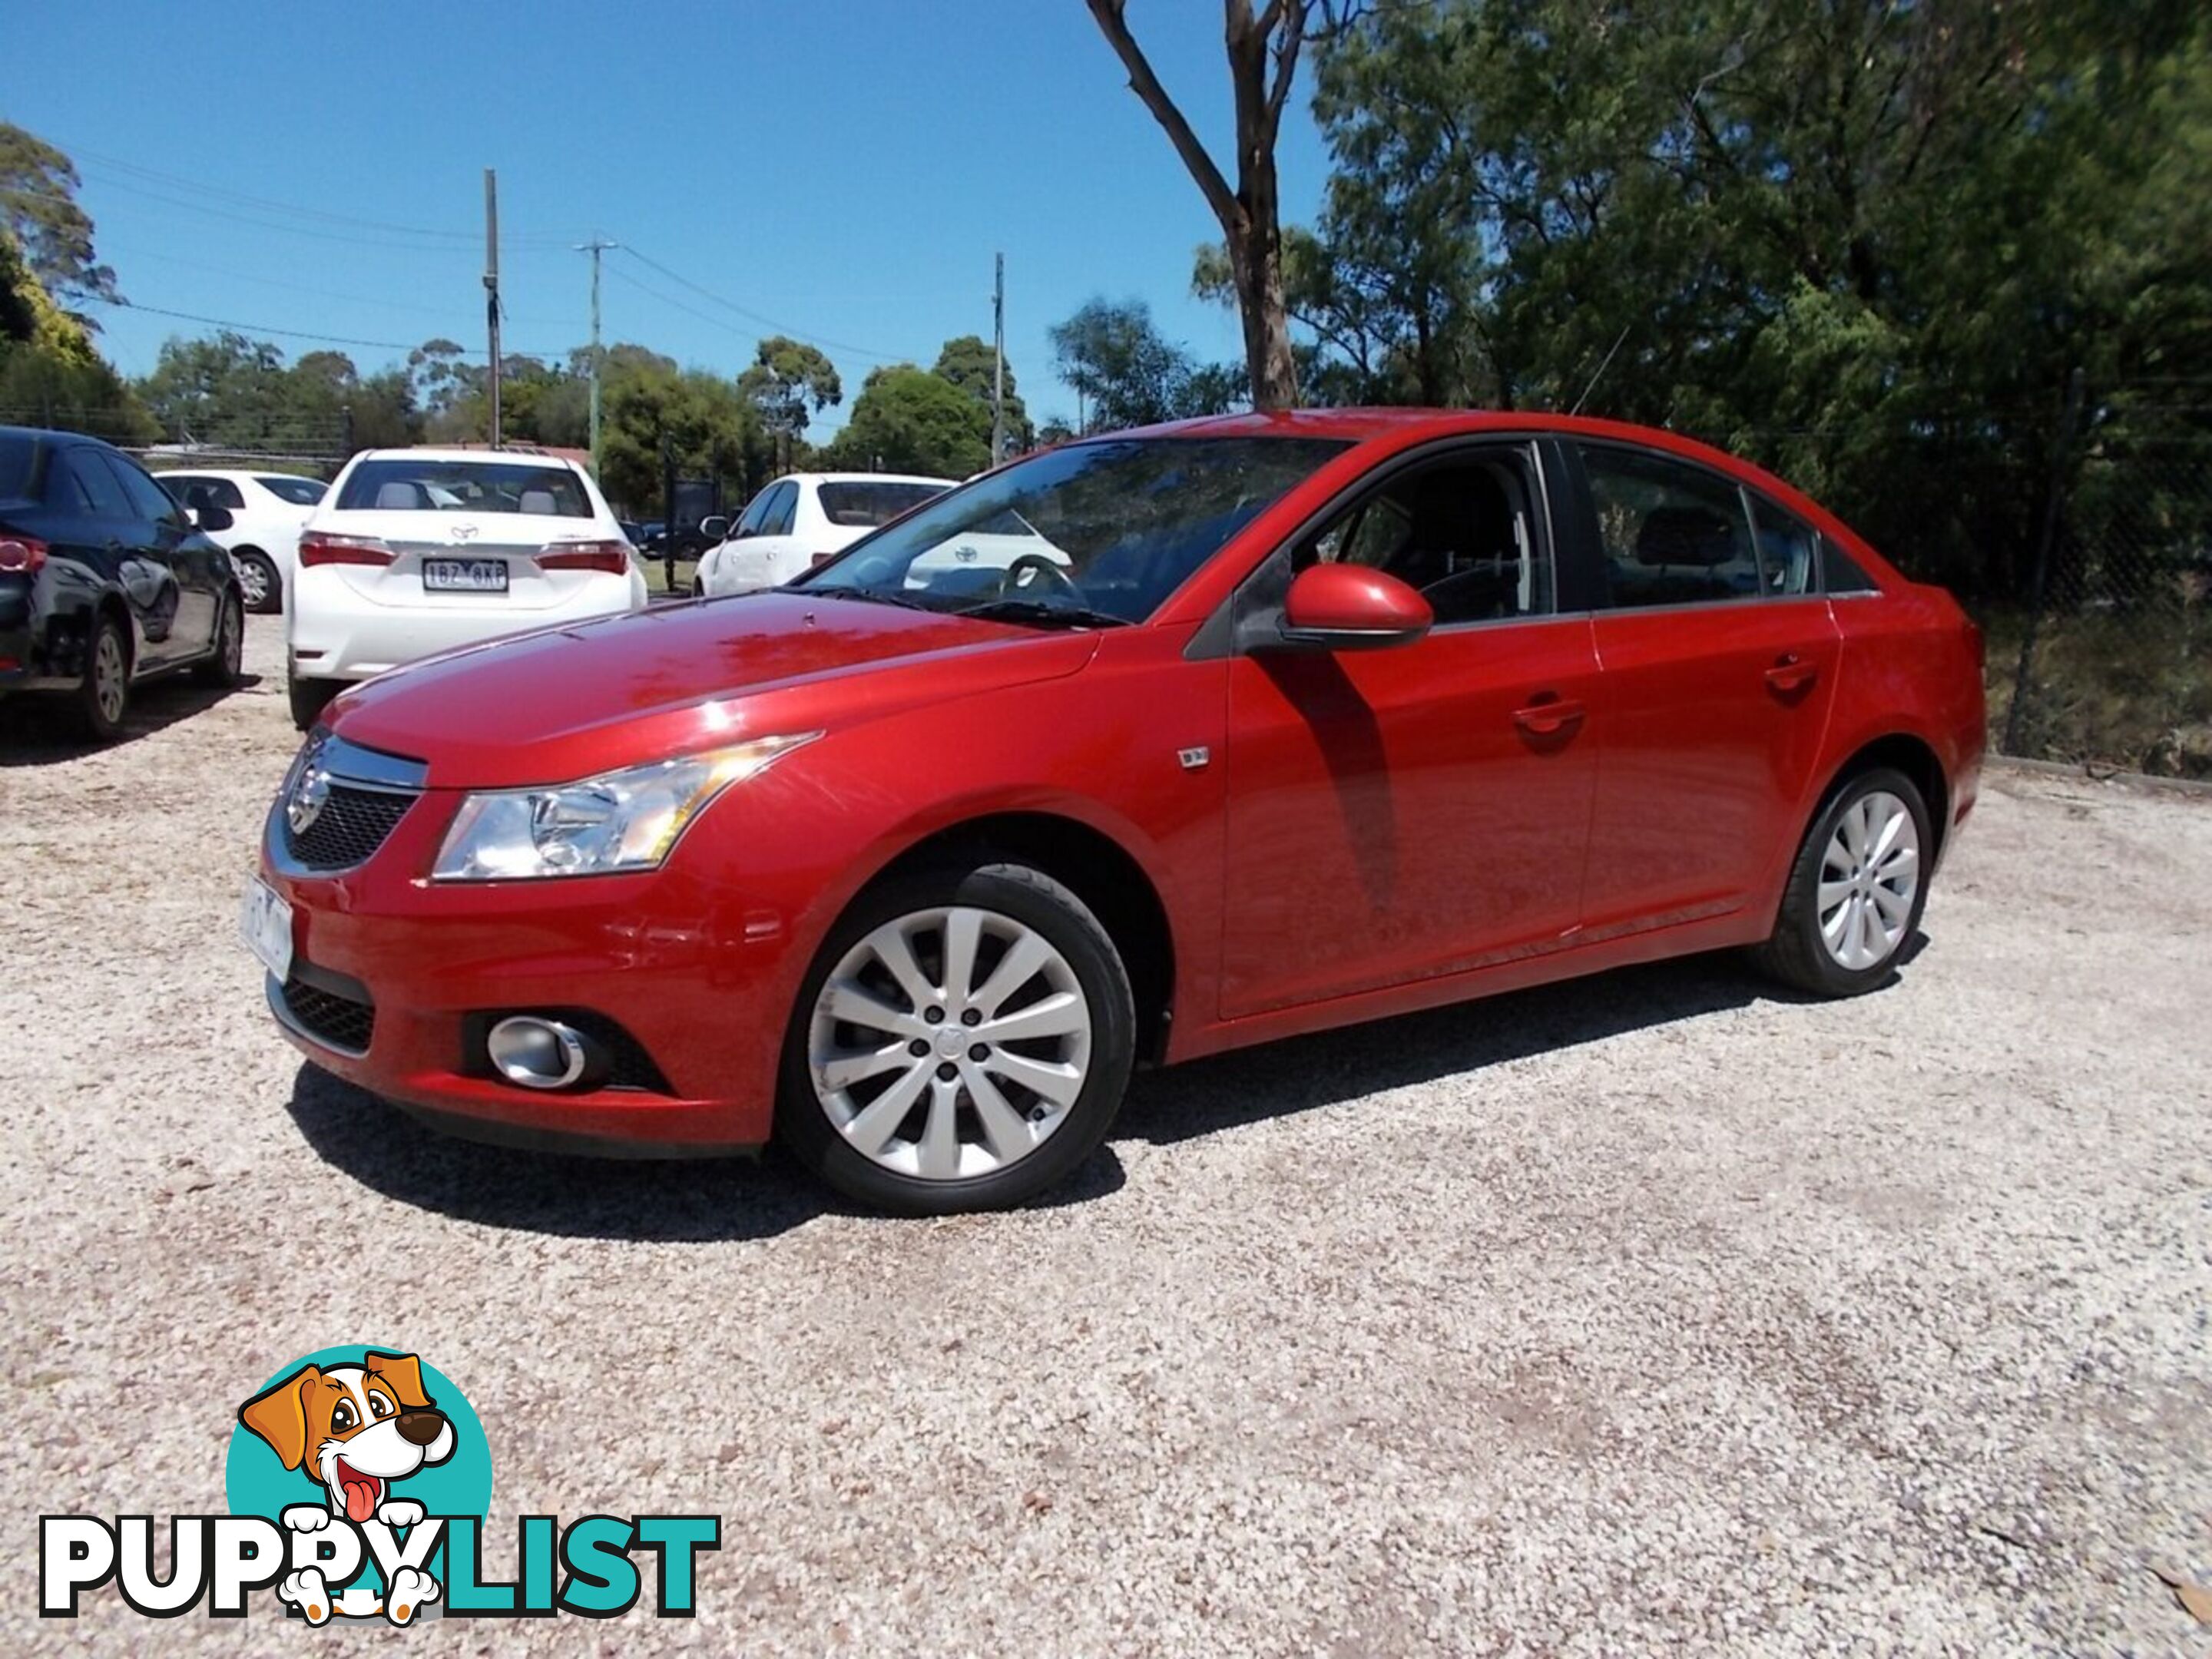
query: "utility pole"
595, 247
491, 289
999, 363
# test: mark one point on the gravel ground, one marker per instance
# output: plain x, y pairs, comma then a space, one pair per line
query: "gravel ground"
1654, 1312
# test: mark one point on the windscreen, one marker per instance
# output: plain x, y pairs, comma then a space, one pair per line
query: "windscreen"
865, 506
300, 492
399, 485
1103, 531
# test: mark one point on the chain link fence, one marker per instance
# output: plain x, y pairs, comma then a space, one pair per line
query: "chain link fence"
2110, 661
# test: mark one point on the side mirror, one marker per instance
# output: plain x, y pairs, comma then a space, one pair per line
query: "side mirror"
211, 517
1348, 607
714, 529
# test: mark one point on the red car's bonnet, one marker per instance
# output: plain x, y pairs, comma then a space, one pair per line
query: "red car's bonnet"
567, 702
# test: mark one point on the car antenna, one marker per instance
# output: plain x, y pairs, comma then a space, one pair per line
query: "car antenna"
1602, 368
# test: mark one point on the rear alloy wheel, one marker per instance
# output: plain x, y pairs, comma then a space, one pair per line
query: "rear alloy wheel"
1856, 890
221, 668
309, 698
963, 1044
258, 580
104, 694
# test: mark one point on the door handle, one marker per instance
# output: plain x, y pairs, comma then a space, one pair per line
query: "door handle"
1548, 715
1792, 673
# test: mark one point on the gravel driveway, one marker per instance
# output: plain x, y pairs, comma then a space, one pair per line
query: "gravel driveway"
1649, 1314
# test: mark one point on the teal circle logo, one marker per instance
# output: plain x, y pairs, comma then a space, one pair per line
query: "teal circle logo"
412, 1435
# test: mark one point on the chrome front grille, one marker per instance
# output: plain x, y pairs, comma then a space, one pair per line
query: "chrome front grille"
339, 804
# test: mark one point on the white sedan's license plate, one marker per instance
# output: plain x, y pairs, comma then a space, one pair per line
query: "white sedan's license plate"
266, 922
465, 575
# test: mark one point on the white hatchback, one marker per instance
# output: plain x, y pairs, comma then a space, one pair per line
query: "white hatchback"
798, 521
416, 552
266, 510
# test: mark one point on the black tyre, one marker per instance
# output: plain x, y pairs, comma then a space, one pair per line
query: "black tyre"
961, 1042
309, 698
1856, 889
257, 579
222, 667
103, 697
698, 588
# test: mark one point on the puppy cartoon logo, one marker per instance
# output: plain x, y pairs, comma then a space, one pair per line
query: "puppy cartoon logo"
359, 1484
357, 1430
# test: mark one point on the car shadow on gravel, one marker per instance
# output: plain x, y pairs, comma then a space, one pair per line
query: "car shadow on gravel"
645, 1200
724, 1198
1282, 1078
35, 731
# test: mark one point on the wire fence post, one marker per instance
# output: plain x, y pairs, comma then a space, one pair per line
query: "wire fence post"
2039, 583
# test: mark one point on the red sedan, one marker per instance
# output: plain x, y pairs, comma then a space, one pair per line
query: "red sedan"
1148, 747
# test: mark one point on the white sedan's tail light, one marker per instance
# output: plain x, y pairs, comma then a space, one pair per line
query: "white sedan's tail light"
325, 547
611, 558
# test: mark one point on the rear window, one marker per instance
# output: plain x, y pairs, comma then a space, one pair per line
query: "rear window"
300, 492
404, 486
18, 460
865, 506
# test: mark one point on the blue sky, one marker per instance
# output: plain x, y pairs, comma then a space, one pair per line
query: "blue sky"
844, 167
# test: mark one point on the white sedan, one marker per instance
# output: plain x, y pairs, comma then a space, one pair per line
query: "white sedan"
798, 521
266, 510
416, 552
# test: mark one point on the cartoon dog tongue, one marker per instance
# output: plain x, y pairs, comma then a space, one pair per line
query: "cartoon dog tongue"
359, 1495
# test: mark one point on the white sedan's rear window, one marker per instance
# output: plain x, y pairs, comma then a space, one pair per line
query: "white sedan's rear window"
405, 486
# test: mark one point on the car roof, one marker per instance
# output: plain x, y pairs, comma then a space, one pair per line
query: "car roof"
49, 435
1400, 427
235, 472
489, 457
864, 477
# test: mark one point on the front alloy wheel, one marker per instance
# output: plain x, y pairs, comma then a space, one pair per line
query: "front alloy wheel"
964, 1047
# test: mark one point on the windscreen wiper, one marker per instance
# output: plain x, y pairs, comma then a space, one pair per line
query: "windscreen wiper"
1038, 610
866, 596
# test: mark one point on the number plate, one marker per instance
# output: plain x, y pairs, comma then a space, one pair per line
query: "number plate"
266, 922
465, 575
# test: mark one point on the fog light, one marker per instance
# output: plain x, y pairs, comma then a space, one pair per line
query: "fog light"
537, 1054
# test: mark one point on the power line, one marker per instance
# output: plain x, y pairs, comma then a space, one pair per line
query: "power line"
299, 334
757, 318
309, 288
270, 205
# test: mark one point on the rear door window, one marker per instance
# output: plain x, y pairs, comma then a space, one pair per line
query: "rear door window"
149, 501
99, 490
782, 510
1670, 534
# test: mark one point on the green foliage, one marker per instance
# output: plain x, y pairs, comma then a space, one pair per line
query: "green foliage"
50, 374
968, 363
911, 419
1864, 243
788, 383
234, 391
1129, 375
39, 210
707, 426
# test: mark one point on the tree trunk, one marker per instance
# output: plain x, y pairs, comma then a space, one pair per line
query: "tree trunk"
1263, 56
1258, 264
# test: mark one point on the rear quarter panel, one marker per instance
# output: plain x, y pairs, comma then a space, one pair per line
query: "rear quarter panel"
1912, 663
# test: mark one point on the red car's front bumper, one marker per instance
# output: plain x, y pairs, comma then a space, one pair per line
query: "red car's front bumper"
700, 980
